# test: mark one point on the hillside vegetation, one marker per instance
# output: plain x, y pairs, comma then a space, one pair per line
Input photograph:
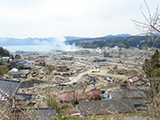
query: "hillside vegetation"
4, 52
3, 67
112, 41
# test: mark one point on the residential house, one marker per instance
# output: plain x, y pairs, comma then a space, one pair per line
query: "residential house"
103, 107
47, 113
93, 92
139, 104
143, 88
137, 97
5, 59
23, 99
24, 64
41, 113
8, 88
21, 96
13, 70
139, 88
127, 94
71, 96
136, 80
72, 111
18, 74
8, 91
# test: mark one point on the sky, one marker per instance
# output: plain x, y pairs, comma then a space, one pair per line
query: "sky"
81, 18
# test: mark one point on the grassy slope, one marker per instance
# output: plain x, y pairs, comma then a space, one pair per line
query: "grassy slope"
3, 69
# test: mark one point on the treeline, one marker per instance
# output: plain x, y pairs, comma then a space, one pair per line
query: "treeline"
3, 67
140, 41
4, 52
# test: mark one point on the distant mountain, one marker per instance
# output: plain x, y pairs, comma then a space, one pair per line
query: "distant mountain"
116, 40
119, 35
109, 40
73, 38
70, 38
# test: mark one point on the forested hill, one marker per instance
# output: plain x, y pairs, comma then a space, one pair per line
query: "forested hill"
4, 52
111, 41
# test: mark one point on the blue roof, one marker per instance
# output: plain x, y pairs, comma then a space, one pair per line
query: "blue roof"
104, 95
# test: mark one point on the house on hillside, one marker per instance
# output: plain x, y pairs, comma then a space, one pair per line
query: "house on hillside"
8, 88
22, 99
8, 92
5, 59
23, 64
93, 92
127, 94
139, 88
72, 111
71, 97
48, 113
136, 80
18, 74
40, 113
136, 96
106, 107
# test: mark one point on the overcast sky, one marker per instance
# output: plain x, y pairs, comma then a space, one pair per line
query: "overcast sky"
81, 18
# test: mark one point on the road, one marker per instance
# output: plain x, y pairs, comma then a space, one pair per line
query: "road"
78, 77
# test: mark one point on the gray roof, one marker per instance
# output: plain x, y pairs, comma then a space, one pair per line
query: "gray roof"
48, 113
23, 97
45, 113
143, 88
138, 101
9, 87
106, 107
127, 94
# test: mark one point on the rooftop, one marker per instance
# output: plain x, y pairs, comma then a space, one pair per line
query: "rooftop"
93, 92
106, 107
70, 96
9, 87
